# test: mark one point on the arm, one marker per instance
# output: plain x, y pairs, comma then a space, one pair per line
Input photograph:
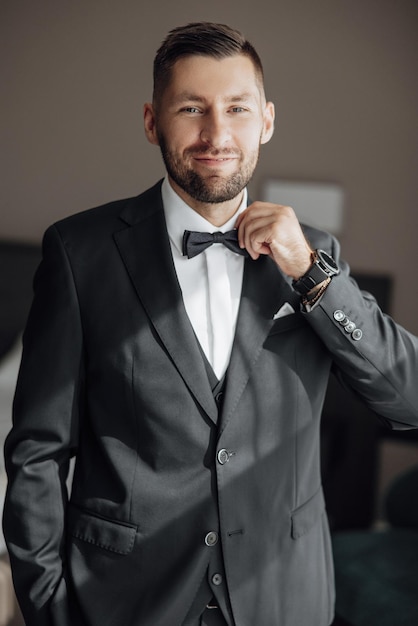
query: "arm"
44, 436
381, 362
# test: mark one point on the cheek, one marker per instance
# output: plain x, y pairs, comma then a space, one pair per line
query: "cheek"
248, 137
182, 139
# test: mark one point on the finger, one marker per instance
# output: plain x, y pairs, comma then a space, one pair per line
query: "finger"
256, 234
246, 225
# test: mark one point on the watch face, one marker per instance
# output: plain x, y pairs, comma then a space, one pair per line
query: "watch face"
328, 261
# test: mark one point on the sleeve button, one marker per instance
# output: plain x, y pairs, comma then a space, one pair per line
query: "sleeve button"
339, 315
351, 327
357, 334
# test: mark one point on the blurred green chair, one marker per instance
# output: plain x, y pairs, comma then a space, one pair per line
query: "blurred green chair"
377, 571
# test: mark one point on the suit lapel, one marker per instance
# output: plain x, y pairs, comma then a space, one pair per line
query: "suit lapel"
145, 249
264, 291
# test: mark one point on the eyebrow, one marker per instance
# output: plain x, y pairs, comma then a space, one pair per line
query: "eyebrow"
187, 96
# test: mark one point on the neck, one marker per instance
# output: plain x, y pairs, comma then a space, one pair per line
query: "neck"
215, 213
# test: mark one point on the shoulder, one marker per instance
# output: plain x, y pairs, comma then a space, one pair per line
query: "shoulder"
109, 217
90, 234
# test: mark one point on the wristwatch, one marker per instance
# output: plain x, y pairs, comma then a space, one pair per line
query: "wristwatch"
323, 267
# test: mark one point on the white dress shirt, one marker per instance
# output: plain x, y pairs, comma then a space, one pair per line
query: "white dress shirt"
210, 282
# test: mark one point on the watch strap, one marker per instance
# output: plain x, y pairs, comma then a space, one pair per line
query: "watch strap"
320, 270
311, 279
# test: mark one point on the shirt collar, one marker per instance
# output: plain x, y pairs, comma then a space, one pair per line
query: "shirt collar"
180, 216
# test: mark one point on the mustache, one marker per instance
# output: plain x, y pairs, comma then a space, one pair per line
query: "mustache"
204, 152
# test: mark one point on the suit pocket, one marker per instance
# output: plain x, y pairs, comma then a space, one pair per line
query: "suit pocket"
288, 322
306, 515
114, 536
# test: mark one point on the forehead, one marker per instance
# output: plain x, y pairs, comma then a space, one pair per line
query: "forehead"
207, 76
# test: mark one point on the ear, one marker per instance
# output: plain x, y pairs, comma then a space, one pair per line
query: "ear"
268, 122
150, 124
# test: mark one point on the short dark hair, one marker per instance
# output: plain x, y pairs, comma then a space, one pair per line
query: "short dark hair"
200, 38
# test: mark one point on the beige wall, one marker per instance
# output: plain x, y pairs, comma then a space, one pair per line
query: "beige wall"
343, 75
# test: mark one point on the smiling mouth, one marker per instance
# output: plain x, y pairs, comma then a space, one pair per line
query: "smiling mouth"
213, 154
215, 159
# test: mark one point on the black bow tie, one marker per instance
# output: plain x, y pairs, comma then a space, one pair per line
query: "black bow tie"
194, 242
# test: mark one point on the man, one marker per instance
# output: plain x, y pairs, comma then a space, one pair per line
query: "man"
187, 380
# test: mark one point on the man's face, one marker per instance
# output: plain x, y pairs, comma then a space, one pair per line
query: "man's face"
209, 125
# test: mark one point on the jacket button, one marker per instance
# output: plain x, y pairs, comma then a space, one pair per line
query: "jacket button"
345, 321
211, 539
339, 315
217, 579
223, 456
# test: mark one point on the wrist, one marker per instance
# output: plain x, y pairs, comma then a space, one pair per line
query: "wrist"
322, 267
313, 296
304, 265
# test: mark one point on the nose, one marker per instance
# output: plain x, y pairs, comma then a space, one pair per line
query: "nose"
215, 131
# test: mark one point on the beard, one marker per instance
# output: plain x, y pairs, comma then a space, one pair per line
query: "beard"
212, 189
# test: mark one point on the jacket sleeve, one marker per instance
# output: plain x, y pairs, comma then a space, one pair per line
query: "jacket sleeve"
372, 355
44, 437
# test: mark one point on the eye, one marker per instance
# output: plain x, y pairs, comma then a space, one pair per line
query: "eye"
191, 110
238, 109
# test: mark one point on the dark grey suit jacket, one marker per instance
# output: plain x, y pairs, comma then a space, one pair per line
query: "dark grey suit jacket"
112, 374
